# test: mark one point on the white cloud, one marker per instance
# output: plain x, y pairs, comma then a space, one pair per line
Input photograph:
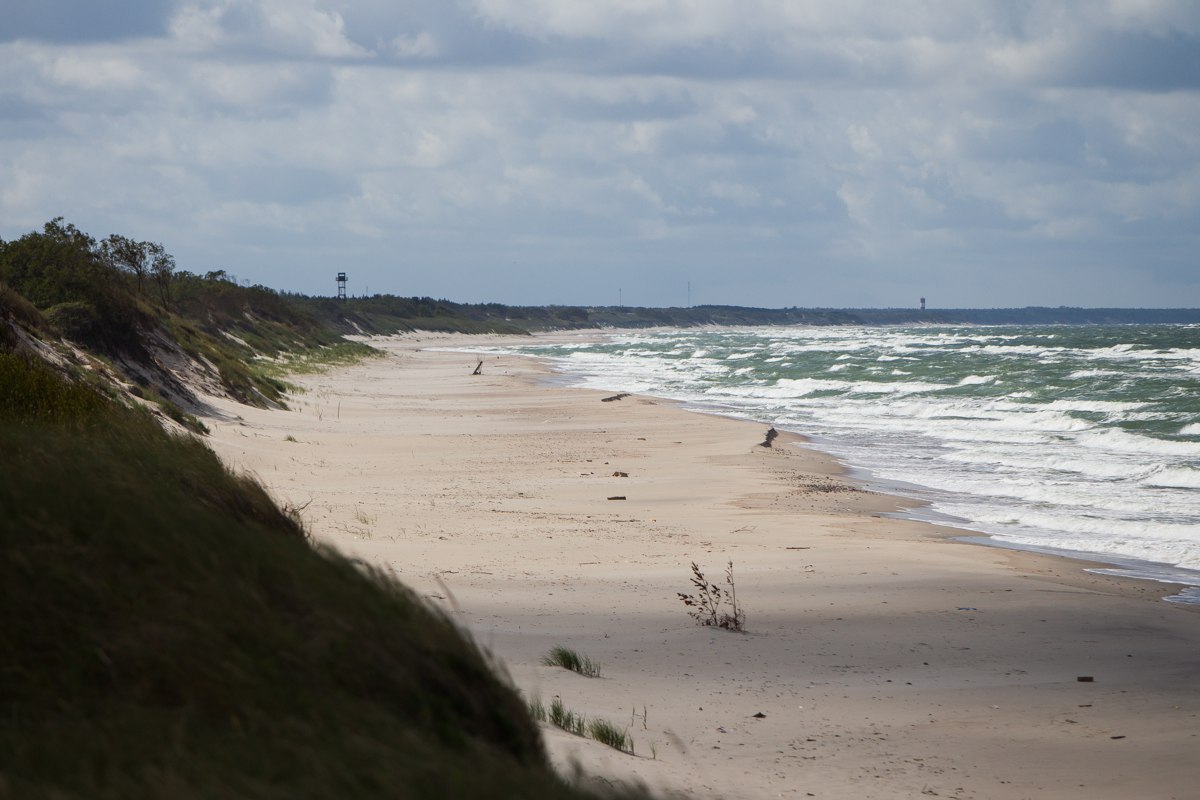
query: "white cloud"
294, 27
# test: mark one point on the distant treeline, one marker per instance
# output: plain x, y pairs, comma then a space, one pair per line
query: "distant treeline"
1031, 315
387, 313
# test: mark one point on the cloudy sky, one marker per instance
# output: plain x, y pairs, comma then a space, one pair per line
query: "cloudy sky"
768, 152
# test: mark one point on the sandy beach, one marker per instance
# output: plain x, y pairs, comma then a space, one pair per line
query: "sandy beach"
881, 658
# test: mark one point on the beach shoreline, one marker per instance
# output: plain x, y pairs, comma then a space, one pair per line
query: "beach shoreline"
888, 659
1180, 585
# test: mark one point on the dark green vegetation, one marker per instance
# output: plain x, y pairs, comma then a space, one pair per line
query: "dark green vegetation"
139, 322
166, 630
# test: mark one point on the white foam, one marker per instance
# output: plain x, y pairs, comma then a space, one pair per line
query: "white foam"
1120, 441
898, 387
1175, 544
1175, 478
1095, 373
1100, 406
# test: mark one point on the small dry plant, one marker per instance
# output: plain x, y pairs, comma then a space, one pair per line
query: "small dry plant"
713, 606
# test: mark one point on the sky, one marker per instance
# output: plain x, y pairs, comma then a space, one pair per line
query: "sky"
651, 152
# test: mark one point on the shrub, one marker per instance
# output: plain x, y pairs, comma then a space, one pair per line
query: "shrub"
77, 320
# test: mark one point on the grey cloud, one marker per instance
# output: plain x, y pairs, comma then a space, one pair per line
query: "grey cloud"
459, 39
289, 185
71, 21
1060, 142
21, 117
626, 107
717, 61
1133, 60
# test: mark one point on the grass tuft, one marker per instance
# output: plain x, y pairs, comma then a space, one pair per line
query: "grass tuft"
567, 658
605, 732
563, 717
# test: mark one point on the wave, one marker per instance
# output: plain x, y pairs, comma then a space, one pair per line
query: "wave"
1175, 544
1175, 478
1120, 441
1100, 406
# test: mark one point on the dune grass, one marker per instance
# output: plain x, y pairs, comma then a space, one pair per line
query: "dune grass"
567, 658
571, 721
605, 732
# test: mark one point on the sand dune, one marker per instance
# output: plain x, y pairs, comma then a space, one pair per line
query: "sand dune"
885, 659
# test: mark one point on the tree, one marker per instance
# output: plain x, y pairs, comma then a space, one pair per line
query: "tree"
124, 253
162, 266
54, 266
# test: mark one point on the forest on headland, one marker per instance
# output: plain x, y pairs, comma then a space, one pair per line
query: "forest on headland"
166, 627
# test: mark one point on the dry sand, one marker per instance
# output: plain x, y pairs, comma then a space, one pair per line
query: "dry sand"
889, 661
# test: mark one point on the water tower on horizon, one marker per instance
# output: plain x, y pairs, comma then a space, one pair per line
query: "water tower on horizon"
922, 303
341, 282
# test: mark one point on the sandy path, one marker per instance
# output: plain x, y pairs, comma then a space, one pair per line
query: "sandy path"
888, 661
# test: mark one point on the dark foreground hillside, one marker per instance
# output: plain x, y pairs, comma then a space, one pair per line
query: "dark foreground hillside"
166, 631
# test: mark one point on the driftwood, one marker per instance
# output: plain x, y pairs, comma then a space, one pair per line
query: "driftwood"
771, 434
478, 369
614, 397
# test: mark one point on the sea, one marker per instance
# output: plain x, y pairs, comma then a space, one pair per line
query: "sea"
1074, 440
